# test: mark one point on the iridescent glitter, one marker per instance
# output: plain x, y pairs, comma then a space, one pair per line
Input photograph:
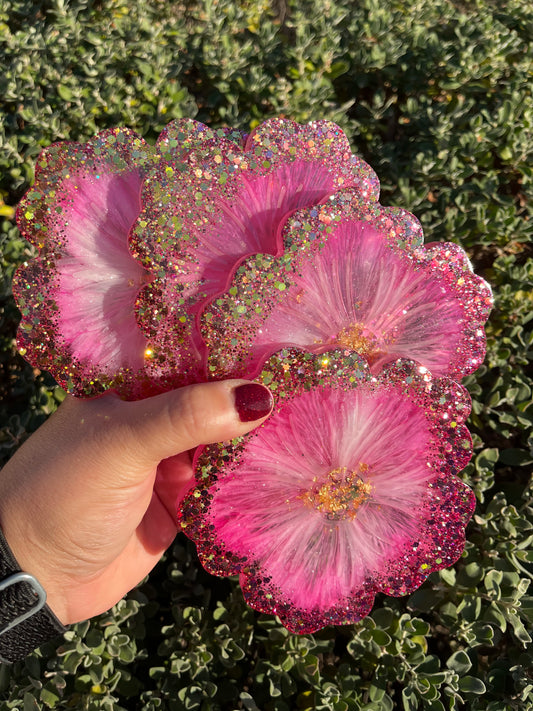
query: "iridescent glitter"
356, 275
347, 490
227, 200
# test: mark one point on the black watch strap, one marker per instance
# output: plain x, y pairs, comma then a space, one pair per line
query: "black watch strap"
26, 621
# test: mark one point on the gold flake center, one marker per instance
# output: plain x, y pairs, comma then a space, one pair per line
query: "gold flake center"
340, 493
357, 338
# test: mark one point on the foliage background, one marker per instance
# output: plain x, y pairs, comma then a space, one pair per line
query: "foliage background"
436, 96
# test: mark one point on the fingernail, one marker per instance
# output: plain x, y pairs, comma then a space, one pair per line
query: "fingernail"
252, 401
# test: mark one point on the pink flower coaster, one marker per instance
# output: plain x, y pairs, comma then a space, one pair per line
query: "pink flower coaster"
353, 275
77, 297
226, 200
347, 490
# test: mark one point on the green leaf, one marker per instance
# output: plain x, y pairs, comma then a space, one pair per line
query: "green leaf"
506, 153
410, 700
381, 637
383, 617
449, 576
436, 706
49, 698
519, 629
64, 92
248, 701
459, 662
423, 599
516, 457
471, 685
30, 703
492, 583
487, 458
338, 68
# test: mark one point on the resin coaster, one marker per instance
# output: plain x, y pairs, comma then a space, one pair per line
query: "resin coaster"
355, 275
347, 490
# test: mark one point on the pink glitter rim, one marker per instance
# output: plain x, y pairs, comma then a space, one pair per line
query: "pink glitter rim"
263, 286
445, 506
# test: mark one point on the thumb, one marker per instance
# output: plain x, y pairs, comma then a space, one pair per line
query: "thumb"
176, 421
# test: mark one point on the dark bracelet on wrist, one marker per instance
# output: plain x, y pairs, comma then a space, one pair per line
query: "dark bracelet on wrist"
26, 621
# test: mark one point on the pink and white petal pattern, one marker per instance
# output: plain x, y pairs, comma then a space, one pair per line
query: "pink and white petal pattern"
347, 490
355, 276
77, 296
227, 200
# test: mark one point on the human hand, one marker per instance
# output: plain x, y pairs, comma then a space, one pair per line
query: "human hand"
88, 503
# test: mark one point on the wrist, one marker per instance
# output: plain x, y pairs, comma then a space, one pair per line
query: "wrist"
31, 557
26, 621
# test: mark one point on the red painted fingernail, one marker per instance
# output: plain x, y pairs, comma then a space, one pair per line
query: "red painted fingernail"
252, 401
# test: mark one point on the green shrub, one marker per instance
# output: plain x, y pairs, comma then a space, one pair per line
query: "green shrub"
436, 96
